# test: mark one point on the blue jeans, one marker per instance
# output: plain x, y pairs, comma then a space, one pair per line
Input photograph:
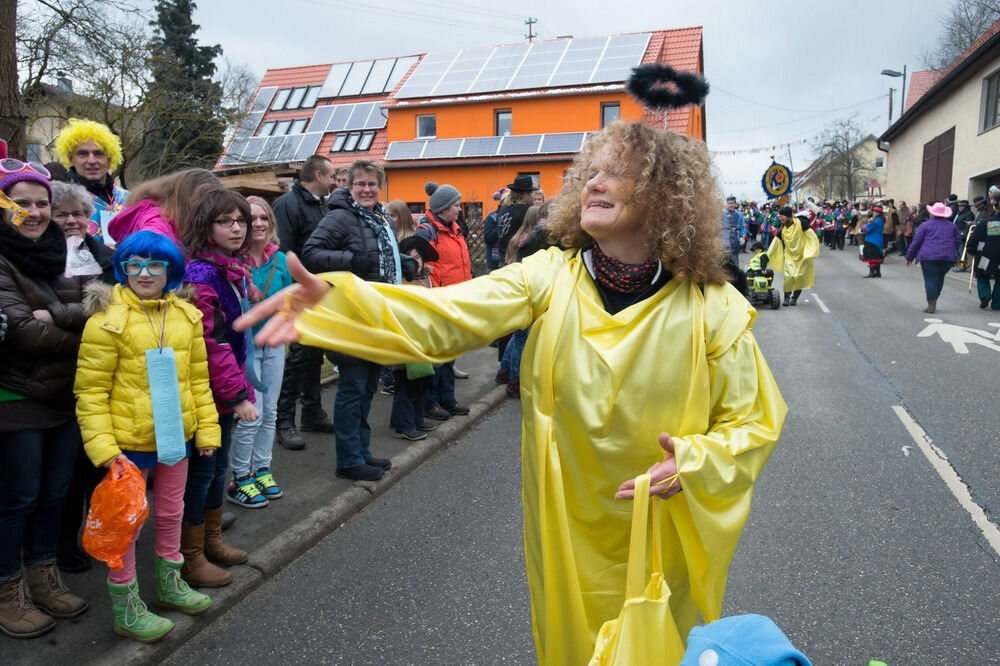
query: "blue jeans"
35, 470
408, 401
512, 354
253, 440
443, 387
934, 272
206, 483
352, 434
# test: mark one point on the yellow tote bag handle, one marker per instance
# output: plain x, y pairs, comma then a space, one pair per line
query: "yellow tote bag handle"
644, 632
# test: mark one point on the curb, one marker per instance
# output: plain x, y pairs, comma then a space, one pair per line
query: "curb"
287, 546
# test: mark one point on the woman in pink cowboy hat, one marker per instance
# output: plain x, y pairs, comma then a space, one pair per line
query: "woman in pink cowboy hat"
934, 246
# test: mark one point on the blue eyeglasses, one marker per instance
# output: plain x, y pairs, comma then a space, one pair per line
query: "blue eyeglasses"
154, 267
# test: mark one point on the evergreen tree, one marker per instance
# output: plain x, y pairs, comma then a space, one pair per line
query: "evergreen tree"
185, 104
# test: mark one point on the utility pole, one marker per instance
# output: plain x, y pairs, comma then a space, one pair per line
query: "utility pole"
891, 91
531, 23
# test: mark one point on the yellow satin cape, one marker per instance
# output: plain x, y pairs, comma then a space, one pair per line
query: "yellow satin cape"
795, 256
597, 390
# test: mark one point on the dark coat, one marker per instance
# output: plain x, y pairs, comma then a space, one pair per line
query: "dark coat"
38, 360
339, 237
986, 233
297, 212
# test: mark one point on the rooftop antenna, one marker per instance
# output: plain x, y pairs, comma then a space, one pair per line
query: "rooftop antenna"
531, 23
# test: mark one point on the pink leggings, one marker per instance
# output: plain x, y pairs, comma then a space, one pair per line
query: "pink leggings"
168, 507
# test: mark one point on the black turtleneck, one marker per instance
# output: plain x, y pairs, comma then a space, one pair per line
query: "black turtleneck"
105, 188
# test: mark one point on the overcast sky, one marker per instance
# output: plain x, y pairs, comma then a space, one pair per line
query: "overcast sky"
780, 72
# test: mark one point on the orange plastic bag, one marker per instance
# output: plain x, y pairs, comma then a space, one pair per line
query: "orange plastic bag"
118, 508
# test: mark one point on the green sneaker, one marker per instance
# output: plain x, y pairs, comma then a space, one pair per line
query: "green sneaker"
269, 488
132, 618
172, 592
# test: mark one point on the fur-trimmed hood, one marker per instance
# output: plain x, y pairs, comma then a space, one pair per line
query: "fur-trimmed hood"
98, 296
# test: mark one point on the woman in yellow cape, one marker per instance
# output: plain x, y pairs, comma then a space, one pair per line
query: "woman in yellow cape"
792, 252
641, 357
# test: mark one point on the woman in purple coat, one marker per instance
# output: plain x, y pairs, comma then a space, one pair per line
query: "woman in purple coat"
934, 246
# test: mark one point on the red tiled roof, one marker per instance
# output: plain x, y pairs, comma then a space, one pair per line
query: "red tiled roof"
982, 39
289, 77
920, 83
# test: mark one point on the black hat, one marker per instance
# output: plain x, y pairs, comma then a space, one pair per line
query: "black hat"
952, 198
979, 200
787, 211
963, 202
419, 243
522, 184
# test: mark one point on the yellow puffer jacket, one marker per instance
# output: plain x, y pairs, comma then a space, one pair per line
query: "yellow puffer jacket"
113, 404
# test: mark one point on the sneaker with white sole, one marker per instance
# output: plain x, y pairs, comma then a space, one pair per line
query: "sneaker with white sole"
412, 435
244, 491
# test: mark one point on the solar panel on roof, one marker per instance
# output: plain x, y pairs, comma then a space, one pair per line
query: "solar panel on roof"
520, 144
271, 148
442, 148
359, 114
237, 146
335, 80
263, 99
567, 142
320, 119
399, 70
480, 146
340, 117
252, 151
376, 119
377, 78
404, 150
290, 147
310, 142
356, 78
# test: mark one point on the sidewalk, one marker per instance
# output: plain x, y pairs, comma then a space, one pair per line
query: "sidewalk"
314, 505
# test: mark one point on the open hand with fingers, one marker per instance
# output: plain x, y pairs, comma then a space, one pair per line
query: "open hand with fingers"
663, 480
284, 307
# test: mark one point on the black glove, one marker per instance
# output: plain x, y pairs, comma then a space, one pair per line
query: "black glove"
410, 268
362, 265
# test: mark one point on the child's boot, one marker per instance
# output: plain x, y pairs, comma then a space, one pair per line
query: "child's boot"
217, 550
173, 592
132, 618
197, 570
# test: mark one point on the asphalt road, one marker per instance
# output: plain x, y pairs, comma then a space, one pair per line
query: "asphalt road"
856, 547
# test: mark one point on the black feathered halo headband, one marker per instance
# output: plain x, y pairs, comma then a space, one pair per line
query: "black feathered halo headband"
661, 87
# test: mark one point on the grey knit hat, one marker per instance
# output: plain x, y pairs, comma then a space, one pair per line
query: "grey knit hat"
440, 196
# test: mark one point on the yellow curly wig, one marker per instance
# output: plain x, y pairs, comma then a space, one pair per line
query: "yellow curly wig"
675, 193
77, 131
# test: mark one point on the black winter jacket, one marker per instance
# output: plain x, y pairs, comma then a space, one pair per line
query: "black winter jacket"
297, 213
339, 237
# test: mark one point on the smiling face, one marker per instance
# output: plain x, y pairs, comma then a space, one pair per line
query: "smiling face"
605, 209
71, 217
33, 198
229, 231
365, 189
260, 226
90, 160
146, 286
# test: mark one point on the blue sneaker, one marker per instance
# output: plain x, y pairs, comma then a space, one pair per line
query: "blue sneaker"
244, 491
266, 484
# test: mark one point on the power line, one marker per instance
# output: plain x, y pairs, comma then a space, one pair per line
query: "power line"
788, 109
799, 120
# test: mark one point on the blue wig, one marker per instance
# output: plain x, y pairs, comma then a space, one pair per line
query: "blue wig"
153, 246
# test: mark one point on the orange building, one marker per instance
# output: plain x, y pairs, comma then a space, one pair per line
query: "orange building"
474, 118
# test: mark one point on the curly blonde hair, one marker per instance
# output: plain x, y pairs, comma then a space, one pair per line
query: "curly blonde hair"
78, 131
675, 194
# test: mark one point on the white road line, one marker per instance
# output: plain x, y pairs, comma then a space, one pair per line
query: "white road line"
822, 305
939, 461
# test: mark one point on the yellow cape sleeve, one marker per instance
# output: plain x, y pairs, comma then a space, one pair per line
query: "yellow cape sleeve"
718, 468
776, 255
390, 324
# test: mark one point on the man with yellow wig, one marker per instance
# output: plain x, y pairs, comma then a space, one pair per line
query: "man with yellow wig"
92, 153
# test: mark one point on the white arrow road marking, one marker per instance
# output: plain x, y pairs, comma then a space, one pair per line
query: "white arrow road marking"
822, 305
939, 461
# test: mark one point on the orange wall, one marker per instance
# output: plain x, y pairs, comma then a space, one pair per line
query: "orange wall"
537, 115
476, 183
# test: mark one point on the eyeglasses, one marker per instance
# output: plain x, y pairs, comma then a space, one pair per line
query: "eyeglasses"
11, 165
227, 222
79, 214
362, 185
154, 267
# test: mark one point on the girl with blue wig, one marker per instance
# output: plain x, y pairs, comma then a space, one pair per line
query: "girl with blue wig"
139, 336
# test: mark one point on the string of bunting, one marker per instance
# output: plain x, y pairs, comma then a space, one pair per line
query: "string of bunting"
762, 149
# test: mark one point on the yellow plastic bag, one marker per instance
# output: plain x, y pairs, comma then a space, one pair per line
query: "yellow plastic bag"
118, 508
644, 632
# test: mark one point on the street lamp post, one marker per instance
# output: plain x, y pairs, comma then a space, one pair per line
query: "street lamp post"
902, 93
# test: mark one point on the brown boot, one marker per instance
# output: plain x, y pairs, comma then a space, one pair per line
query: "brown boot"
51, 595
216, 550
198, 571
18, 615
931, 306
